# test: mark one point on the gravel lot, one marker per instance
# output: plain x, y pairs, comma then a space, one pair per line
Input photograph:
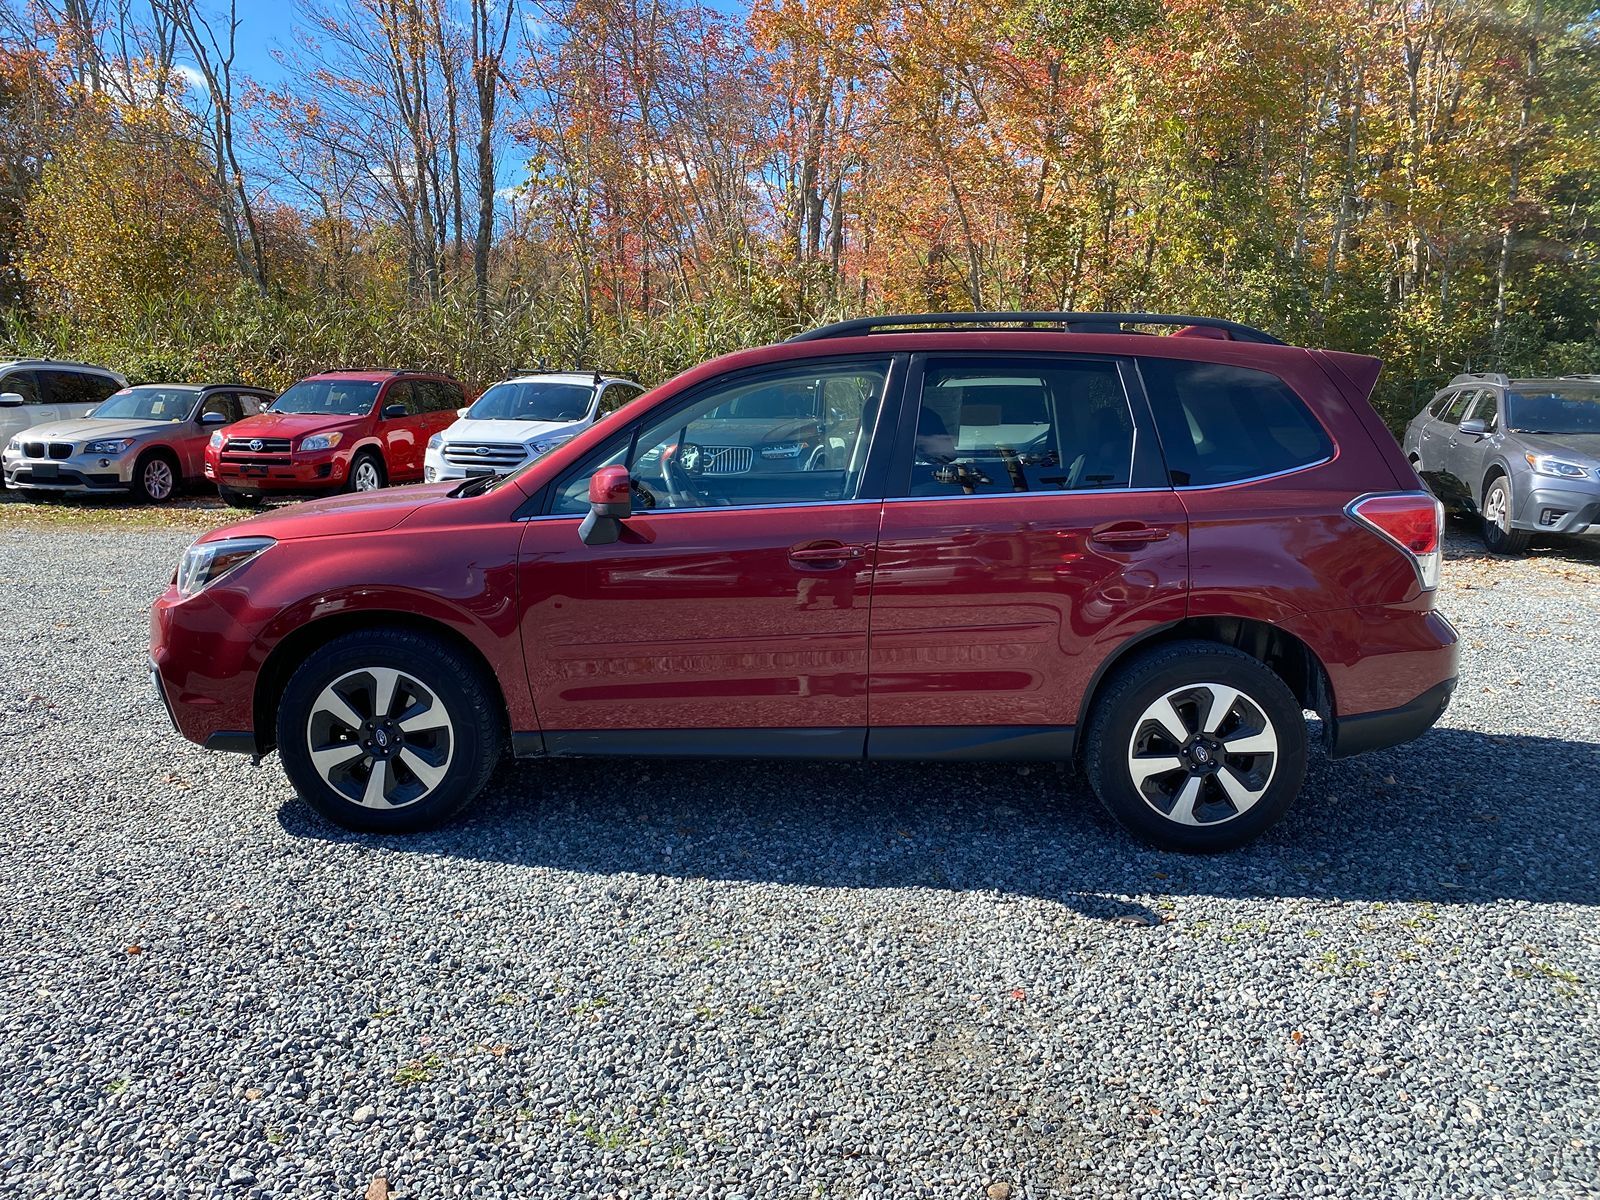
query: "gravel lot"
718, 980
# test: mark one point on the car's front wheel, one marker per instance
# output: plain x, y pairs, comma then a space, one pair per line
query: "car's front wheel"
155, 478
1196, 746
388, 731
1498, 535
366, 473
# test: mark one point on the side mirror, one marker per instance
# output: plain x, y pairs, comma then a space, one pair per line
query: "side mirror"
462, 412
11, 400
610, 504
1475, 426
213, 418
391, 411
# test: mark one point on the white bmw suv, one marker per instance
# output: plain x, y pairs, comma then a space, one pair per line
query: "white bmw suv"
520, 419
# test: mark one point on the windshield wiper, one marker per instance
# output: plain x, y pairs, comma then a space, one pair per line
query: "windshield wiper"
474, 485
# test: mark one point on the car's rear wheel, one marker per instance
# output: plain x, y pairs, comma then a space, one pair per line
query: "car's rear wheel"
1196, 746
155, 478
237, 499
1498, 535
366, 473
388, 731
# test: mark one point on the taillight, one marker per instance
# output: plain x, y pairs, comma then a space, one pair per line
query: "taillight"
1414, 521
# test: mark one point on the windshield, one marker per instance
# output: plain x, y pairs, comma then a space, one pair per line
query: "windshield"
149, 404
533, 402
1569, 410
333, 397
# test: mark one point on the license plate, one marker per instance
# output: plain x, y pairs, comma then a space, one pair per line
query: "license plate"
249, 470
46, 471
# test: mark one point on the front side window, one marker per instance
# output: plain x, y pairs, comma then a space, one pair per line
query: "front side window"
1487, 407
989, 425
328, 397
534, 401
148, 404
735, 445
1222, 424
226, 403
1567, 410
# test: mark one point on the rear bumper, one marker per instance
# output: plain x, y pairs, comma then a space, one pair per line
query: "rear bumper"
1390, 669
1394, 727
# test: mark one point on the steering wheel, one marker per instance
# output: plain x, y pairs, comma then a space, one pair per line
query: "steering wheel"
681, 466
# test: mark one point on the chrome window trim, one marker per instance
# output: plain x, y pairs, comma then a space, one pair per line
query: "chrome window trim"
1211, 487
710, 508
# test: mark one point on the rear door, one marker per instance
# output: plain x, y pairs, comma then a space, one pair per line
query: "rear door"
74, 393
1029, 528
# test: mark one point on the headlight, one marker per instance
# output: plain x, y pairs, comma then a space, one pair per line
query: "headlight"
545, 445
15, 444
436, 441
1545, 465
206, 562
321, 441
108, 446
783, 450
217, 439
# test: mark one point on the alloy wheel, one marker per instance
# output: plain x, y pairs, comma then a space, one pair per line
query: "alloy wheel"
367, 476
157, 479
380, 738
1496, 509
1202, 754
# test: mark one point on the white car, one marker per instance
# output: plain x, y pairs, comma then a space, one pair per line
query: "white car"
519, 419
35, 391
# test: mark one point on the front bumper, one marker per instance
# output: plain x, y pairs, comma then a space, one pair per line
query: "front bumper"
321, 470
79, 473
203, 666
436, 468
1562, 508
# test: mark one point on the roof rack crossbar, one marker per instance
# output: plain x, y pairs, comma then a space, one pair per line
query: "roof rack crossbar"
1495, 377
1070, 322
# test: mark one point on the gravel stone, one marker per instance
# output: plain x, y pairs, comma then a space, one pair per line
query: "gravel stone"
702, 979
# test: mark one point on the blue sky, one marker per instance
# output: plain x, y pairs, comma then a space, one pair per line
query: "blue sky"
264, 25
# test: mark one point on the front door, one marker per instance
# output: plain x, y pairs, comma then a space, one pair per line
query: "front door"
1032, 529
1468, 452
731, 615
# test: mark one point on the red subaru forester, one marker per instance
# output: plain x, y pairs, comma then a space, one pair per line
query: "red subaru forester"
1000, 536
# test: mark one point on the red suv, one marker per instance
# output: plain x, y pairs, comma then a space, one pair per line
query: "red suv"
351, 431
1035, 536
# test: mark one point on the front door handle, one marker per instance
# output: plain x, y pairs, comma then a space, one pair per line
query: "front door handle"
832, 552
1130, 537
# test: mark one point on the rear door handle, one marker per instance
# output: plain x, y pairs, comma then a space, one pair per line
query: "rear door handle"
1130, 537
837, 552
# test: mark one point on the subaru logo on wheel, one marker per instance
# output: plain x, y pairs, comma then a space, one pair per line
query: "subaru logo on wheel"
255, 444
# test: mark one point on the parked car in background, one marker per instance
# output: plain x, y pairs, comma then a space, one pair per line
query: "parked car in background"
1078, 542
1523, 455
34, 391
521, 418
352, 431
149, 440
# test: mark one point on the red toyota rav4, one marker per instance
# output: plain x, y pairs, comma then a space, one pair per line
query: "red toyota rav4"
1029, 536
350, 431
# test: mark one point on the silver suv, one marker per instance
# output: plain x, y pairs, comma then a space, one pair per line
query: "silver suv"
36, 390
1523, 454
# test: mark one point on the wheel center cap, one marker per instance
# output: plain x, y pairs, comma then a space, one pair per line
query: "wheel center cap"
380, 735
1201, 754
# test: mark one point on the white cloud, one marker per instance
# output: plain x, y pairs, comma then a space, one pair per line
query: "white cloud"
192, 79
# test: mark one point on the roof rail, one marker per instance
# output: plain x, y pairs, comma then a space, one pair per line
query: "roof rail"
1495, 377
59, 362
1070, 322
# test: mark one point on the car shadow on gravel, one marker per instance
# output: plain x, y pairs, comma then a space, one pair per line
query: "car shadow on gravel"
1458, 817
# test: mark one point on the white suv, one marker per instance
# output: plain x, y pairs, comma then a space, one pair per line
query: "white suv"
34, 391
521, 418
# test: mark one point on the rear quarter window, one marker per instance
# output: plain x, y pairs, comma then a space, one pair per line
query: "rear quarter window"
1221, 423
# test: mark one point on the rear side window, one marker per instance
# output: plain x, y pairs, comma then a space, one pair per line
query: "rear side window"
616, 395
1221, 423
74, 387
991, 425
443, 397
1437, 407
1458, 407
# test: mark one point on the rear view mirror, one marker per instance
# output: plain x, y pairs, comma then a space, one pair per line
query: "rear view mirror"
11, 400
1475, 426
610, 503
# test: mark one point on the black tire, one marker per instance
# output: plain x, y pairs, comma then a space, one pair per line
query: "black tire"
433, 673
236, 499
365, 458
156, 478
1120, 716
1498, 535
